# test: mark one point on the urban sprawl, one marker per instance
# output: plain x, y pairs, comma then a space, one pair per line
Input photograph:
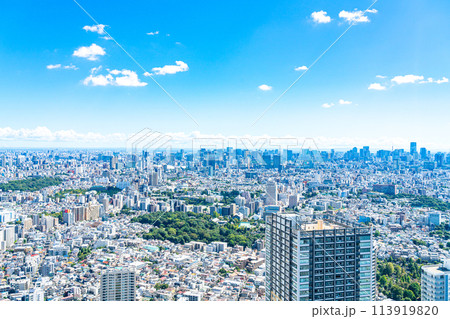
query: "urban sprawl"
228, 224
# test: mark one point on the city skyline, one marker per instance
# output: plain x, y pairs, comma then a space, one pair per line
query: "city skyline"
249, 151
180, 142
384, 83
101, 225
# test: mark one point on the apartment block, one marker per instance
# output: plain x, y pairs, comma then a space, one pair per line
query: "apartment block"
435, 282
118, 285
318, 259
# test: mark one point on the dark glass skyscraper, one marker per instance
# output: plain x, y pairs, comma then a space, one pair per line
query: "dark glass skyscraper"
322, 259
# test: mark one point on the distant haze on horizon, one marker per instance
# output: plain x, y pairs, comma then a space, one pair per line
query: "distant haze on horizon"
149, 139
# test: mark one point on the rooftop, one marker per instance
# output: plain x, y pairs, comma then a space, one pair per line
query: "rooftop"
439, 269
322, 225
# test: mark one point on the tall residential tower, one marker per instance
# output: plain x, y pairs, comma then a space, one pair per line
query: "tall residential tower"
320, 259
118, 285
435, 282
272, 193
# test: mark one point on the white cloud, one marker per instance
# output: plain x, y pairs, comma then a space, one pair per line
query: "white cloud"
98, 80
404, 79
114, 78
53, 66
70, 67
431, 80
443, 80
91, 53
170, 69
377, 86
320, 17
43, 136
356, 16
301, 68
128, 78
153, 33
99, 28
96, 69
59, 66
265, 87
343, 102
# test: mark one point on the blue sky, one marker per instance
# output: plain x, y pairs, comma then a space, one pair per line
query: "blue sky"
63, 84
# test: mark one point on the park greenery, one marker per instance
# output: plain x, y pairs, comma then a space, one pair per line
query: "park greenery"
422, 201
181, 227
126, 210
109, 190
441, 231
84, 252
419, 242
228, 197
195, 201
310, 194
31, 184
65, 192
256, 194
399, 279
223, 272
430, 202
159, 286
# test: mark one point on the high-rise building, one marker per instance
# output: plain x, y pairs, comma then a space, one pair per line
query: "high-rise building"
153, 179
7, 236
118, 285
423, 153
439, 158
277, 161
267, 159
413, 148
434, 219
272, 193
113, 162
435, 282
79, 213
293, 200
289, 155
320, 259
233, 209
68, 217
364, 153
271, 209
7, 215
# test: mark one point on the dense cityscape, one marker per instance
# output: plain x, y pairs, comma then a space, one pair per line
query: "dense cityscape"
239, 154
224, 224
